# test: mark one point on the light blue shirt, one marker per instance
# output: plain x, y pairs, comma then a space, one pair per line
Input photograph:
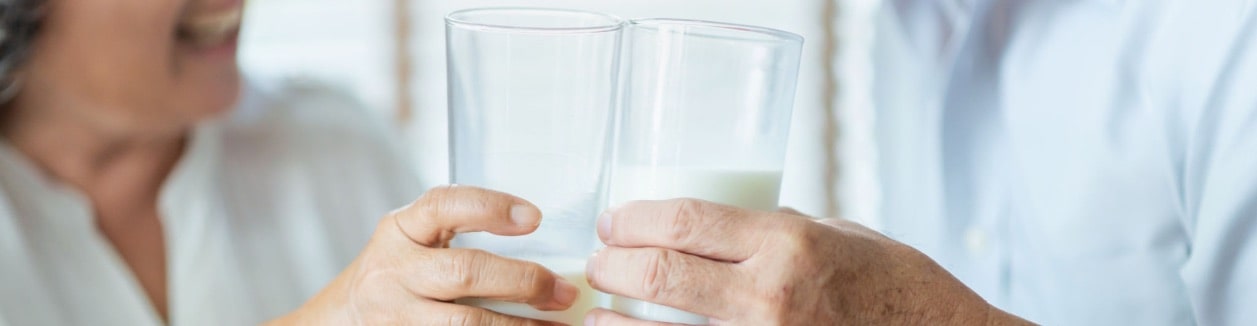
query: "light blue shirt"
1076, 162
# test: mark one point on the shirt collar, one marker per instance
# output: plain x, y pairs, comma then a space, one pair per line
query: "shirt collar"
33, 192
189, 187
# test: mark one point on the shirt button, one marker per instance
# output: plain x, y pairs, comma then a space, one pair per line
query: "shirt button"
976, 240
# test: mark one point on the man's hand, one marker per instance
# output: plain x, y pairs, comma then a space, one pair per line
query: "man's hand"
744, 267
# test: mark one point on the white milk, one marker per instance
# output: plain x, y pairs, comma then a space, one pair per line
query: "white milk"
574, 271
754, 189
648, 311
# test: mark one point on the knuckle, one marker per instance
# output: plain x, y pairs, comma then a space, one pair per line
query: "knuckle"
472, 263
440, 199
656, 282
797, 241
680, 226
449, 198
690, 207
798, 246
419, 221
432, 197
438, 192
537, 280
460, 270
440, 205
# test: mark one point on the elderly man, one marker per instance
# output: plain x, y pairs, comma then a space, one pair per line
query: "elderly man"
1070, 162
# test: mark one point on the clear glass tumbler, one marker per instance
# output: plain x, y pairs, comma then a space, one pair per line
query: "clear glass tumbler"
532, 93
706, 115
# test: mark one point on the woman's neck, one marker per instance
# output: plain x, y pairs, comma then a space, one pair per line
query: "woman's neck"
120, 172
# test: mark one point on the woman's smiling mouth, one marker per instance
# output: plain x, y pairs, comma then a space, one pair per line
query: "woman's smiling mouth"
212, 29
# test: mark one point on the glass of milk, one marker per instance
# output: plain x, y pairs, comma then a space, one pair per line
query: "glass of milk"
706, 114
532, 94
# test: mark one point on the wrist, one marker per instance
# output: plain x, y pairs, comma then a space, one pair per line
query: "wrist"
308, 315
323, 309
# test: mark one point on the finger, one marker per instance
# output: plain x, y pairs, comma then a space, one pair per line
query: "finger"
791, 211
440, 313
449, 274
692, 226
603, 317
442, 212
669, 278
834, 222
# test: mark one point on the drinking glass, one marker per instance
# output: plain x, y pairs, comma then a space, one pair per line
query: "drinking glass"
531, 99
706, 115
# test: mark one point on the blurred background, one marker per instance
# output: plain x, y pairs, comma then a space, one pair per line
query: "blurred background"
390, 54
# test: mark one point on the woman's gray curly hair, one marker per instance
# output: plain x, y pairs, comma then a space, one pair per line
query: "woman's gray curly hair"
19, 21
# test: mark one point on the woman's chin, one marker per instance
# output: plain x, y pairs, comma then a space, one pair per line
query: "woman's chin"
218, 106
211, 100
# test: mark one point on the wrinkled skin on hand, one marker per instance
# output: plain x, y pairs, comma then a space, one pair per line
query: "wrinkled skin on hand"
744, 267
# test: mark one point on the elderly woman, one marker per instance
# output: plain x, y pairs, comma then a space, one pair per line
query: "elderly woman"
143, 181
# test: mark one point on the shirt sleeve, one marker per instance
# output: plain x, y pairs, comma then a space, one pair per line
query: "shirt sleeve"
1221, 192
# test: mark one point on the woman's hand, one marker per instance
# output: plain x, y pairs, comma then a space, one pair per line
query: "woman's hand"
744, 267
407, 275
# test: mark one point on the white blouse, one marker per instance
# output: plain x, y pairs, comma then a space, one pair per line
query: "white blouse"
265, 207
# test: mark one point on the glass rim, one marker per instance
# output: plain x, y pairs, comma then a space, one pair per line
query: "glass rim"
771, 34
457, 18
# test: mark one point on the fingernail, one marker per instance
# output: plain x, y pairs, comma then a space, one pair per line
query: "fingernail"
564, 292
604, 226
590, 266
590, 320
524, 215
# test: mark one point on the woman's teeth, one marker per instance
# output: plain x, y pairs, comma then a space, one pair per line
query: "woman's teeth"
208, 29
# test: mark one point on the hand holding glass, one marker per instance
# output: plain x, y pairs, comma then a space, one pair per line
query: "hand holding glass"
706, 115
532, 92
